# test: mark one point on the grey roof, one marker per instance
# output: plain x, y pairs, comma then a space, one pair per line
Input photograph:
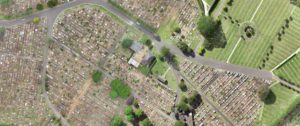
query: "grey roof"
136, 46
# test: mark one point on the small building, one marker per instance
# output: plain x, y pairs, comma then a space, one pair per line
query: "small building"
142, 55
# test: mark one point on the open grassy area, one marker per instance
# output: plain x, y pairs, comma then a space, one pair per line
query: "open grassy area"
290, 41
267, 17
170, 76
280, 102
166, 30
159, 68
290, 70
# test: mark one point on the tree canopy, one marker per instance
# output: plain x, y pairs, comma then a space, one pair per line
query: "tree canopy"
146, 122
97, 76
139, 112
52, 3
39, 6
117, 121
121, 89
179, 123
164, 51
126, 43
207, 26
128, 110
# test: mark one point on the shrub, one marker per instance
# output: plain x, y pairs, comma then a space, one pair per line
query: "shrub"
139, 112
97, 76
36, 20
117, 121
39, 7
126, 43
146, 122
52, 3
179, 123
164, 51
128, 110
120, 88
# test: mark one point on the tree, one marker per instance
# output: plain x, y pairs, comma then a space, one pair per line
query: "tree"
121, 89
177, 30
117, 121
52, 3
113, 94
262, 92
128, 110
184, 47
164, 51
130, 118
146, 122
207, 26
39, 7
97, 76
36, 20
182, 86
126, 43
179, 123
182, 106
139, 113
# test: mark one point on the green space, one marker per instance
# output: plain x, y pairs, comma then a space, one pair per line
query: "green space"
290, 70
278, 104
117, 121
119, 89
5, 2
96, 76
166, 30
266, 17
288, 42
171, 78
160, 67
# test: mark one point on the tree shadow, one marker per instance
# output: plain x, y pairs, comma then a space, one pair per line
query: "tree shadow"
271, 98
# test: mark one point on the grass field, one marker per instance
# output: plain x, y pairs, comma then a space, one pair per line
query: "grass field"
290, 70
267, 17
170, 76
290, 41
279, 105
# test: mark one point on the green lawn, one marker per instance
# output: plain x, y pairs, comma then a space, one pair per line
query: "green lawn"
279, 105
289, 44
172, 83
267, 21
159, 68
290, 70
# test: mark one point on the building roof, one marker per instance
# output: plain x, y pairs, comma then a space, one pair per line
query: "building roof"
133, 62
136, 46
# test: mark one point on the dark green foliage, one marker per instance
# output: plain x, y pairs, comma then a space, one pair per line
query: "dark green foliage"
207, 26
139, 113
212, 32
182, 107
182, 86
148, 43
52, 3
113, 94
146, 122
164, 51
177, 30
117, 121
128, 110
263, 92
120, 89
39, 7
130, 118
126, 43
184, 47
179, 123
97, 76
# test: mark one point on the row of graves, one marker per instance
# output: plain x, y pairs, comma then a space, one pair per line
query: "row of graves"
156, 12
71, 89
234, 93
21, 59
13, 7
89, 31
154, 98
